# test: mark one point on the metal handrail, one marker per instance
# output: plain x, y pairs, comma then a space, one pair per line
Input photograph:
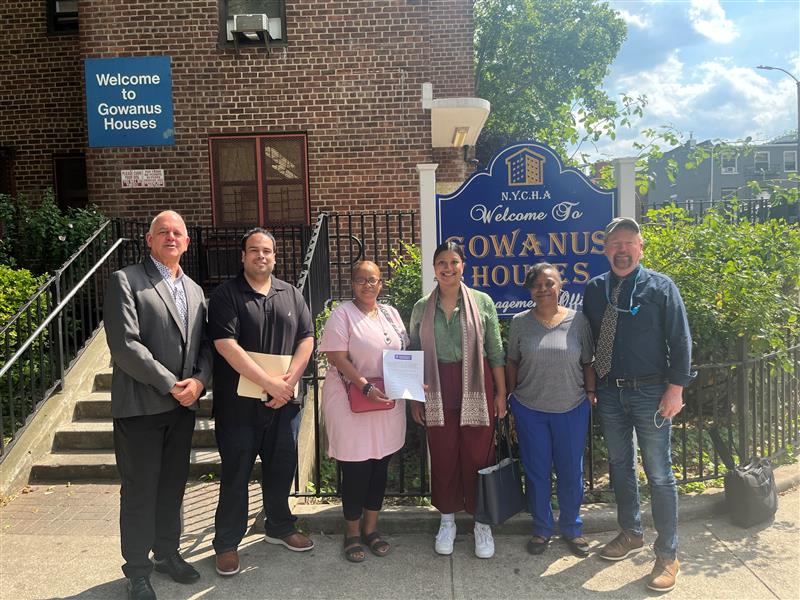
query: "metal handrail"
52, 278
305, 270
54, 313
83, 247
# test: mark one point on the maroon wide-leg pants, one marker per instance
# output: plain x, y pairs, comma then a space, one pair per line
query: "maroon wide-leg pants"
458, 452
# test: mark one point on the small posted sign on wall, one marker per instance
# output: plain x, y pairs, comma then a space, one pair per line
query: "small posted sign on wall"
142, 178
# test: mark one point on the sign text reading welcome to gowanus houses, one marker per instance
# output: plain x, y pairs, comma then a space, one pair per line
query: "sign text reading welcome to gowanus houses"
524, 209
129, 101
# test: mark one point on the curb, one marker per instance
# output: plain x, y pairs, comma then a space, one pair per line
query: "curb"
597, 518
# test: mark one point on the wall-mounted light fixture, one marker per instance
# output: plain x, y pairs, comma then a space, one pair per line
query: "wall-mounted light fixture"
455, 122
460, 136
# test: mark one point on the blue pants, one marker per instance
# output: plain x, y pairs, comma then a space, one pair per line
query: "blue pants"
548, 440
621, 411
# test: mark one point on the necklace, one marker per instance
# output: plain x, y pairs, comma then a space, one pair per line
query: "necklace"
375, 315
386, 337
553, 321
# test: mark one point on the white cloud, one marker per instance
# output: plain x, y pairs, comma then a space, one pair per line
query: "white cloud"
669, 93
642, 22
715, 99
708, 19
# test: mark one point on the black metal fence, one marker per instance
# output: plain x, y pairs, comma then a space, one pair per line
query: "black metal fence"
214, 253
754, 210
41, 342
753, 401
374, 236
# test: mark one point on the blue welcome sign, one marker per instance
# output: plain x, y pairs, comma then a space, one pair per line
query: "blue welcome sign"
524, 209
129, 101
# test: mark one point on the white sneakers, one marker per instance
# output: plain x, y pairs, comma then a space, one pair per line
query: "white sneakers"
484, 542
445, 537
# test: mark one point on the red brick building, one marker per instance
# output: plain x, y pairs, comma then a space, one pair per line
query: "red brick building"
329, 117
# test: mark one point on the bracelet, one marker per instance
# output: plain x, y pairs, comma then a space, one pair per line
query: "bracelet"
591, 391
367, 388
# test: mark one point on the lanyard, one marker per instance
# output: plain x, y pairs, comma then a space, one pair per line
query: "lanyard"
633, 309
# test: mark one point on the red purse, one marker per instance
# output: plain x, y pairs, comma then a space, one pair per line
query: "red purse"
359, 403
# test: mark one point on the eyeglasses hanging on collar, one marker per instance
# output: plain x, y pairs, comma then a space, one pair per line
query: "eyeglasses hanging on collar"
633, 309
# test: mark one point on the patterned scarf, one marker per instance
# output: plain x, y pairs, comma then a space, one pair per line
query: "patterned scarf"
474, 411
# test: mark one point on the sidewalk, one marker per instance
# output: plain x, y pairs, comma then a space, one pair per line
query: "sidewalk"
63, 542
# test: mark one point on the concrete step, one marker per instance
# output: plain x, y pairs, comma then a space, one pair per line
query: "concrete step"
98, 406
100, 465
102, 380
98, 434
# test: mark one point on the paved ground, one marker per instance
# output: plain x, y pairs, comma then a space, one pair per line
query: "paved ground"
62, 542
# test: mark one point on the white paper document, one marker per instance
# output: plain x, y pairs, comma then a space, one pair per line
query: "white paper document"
403, 374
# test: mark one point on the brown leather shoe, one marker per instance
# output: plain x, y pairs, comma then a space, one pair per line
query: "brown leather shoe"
296, 542
228, 563
664, 574
621, 546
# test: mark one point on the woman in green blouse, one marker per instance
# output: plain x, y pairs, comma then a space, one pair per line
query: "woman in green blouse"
457, 327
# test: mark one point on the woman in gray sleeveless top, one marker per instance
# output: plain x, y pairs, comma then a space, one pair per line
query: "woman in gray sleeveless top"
549, 371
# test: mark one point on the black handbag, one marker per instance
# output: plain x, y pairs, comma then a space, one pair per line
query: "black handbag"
750, 493
499, 495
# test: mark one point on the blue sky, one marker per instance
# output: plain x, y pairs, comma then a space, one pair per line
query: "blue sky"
695, 60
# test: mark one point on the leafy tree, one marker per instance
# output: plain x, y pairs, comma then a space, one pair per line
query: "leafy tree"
541, 65
738, 279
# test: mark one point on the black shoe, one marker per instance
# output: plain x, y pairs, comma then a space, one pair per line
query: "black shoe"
537, 545
177, 568
578, 546
139, 588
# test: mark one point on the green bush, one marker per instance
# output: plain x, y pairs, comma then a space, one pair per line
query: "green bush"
737, 279
16, 287
41, 238
405, 284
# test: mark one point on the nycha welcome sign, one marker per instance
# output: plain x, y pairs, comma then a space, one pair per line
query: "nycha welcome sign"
524, 209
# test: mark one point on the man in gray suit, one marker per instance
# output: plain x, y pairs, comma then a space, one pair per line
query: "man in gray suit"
155, 319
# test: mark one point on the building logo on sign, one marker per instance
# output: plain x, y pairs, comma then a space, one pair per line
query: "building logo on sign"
524, 209
129, 101
525, 167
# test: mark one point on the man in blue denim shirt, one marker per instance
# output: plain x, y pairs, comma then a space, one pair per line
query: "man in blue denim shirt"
641, 376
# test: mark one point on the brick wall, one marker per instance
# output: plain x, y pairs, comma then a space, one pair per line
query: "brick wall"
41, 98
350, 78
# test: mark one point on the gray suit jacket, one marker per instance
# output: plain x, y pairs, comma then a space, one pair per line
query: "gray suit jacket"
149, 347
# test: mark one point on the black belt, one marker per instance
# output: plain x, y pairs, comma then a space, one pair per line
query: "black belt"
636, 382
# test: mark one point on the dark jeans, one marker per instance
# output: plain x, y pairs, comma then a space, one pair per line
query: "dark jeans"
238, 447
621, 411
363, 485
153, 462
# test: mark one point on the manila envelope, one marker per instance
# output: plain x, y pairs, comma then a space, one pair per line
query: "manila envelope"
272, 364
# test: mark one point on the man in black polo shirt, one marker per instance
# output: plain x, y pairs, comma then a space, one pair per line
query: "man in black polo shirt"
256, 312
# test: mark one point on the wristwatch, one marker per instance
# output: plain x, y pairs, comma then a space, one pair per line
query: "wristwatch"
367, 388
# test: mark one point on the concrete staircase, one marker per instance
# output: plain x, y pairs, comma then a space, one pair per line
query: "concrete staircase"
70, 439
83, 449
